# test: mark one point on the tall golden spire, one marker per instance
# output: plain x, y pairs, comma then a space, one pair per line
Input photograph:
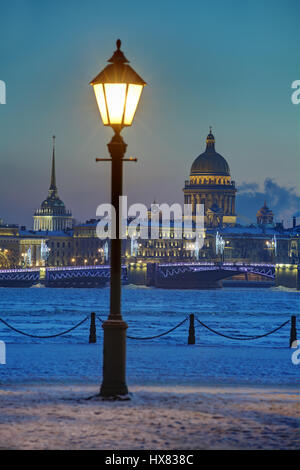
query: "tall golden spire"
53, 188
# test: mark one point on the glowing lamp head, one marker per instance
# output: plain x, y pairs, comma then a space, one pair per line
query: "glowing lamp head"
118, 89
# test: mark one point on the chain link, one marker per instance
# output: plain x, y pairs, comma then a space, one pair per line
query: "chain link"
156, 336
48, 336
242, 337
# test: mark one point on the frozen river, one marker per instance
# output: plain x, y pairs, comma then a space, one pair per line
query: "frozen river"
149, 311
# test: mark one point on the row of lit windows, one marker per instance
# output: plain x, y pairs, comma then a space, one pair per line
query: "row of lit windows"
216, 180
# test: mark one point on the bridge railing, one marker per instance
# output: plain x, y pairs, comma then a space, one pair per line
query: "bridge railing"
215, 263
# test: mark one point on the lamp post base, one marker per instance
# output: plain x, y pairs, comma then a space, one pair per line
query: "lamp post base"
114, 359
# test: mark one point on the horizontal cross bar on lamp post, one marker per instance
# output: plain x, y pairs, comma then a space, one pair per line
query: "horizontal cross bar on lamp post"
130, 159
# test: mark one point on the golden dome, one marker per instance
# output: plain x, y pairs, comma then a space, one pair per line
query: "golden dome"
210, 162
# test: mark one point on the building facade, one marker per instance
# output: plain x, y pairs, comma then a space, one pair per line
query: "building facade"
55, 242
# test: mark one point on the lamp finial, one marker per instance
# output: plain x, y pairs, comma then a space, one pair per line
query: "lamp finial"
118, 56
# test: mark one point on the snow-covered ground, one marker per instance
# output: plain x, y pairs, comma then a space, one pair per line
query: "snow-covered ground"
217, 393
161, 417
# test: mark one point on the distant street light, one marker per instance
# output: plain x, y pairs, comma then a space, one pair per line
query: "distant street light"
118, 89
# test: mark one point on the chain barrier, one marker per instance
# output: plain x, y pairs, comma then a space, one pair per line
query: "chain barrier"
43, 337
242, 337
156, 336
191, 339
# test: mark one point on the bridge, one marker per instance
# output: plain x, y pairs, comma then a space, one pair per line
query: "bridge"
225, 269
168, 275
71, 276
19, 277
205, 274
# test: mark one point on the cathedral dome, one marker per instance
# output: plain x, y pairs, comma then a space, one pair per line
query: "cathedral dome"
210, 162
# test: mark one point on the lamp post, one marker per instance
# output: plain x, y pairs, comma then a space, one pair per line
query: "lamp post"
118, 89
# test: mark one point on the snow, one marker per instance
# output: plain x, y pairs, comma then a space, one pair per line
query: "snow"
216, 394
157, 417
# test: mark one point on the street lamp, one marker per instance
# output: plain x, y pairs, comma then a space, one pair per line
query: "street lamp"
118, 89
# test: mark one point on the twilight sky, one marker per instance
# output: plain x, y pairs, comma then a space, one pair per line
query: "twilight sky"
227, 63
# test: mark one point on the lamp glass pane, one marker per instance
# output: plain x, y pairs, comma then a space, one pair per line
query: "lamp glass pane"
115, 98
98, 89
133, 97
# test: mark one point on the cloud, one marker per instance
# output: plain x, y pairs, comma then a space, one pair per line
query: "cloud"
284, 202
248, 188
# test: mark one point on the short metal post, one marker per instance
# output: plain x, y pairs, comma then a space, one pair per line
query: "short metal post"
191, 339
293, 333
92, 337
